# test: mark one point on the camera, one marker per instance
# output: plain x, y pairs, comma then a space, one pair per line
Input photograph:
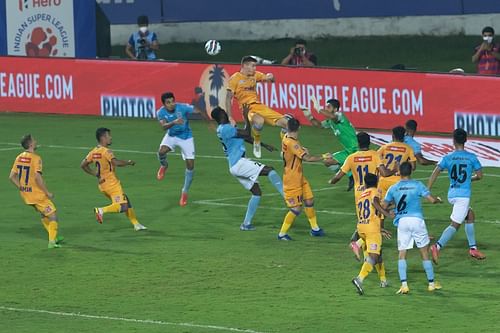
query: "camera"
298, 51
141, 48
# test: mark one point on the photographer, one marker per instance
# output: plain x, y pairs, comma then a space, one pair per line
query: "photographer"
299, 56
143, 43
487, 55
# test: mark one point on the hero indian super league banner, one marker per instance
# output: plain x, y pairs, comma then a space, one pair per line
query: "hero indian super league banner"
370, 99
40, 28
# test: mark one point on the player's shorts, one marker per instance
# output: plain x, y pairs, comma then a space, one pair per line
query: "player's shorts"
116, 194
373, 241
186, 145
385, 183
412, 230
45, 207
270, 116
296, 197
460, 209
247, 172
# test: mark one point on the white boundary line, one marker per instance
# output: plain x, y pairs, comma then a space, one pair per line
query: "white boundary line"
132, 320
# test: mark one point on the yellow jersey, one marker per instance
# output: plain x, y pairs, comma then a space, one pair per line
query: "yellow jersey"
360, 163
292, 152
368, 216
26, 166
396, 152
244, 87
103, 157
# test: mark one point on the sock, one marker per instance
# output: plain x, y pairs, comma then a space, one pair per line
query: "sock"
446, 236
287, 223
381, 271
188, 179
253, 203
256, 133
130, 212
45, 222
163, 159
113, 208
52, 231
275, 179
402, 269
366, 268
429, 270
311, 216
469, 231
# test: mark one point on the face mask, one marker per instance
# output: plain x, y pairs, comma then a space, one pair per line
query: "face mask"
143, 29
488, 39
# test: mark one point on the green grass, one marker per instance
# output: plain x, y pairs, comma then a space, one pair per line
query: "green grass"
193, 265
423, 53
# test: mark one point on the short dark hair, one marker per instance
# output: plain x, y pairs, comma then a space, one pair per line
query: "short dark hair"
166, 96
334, 102
216, 113
405, 169
248, 58
398, 133
363, 139
488, 29
142, 20
411, 125
460, 136
293, 125
371, 180
100, 132
300, 41
26, 141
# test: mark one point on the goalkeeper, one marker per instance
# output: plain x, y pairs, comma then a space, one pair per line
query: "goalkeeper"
342, 128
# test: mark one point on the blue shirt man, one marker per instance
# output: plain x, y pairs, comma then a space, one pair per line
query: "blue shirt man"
142, 43
411, 129
233, 146
406, 195
181, 111
461, 165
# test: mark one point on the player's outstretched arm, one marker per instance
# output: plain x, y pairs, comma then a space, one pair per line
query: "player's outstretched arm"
423, 161
477, 176
14, 178
121, 163
433, 199
337, 177
41, 184
85, 165
307, 113
433, 177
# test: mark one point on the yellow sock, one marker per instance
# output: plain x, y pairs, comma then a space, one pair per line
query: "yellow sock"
53, 230
311, 216
131, 215
365, 270
381, 271
287, 223
113, 208
256, 135
45, 222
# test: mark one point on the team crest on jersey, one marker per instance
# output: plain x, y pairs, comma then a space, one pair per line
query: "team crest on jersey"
363, 159
373, 246
25, 159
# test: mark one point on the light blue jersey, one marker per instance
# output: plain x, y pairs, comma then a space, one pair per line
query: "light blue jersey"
461, 165
406, 195
410, 141
234, 147
182, 131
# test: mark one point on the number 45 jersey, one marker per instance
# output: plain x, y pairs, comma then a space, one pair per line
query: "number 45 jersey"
461, 165
406, 196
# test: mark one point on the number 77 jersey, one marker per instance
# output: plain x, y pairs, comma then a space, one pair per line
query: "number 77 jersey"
461, 165
26, 166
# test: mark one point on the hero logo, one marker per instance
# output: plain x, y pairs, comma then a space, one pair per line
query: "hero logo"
25, 4
128, 106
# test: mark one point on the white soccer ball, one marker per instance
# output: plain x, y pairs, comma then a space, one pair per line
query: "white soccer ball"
212, 47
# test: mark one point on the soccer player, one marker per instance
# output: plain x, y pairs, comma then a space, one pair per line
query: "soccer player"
26, 175
463, 168
405, 196
296, 188
108, 183
173, 117
342, 128
411, 129
370, 229
242, 86
245, 170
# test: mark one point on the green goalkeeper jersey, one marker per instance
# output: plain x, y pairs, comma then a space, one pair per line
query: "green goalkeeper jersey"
345, 132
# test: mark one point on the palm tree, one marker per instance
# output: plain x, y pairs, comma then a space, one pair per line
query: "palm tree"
216, 76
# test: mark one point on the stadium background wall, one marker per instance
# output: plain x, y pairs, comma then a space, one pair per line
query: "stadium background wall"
371, 99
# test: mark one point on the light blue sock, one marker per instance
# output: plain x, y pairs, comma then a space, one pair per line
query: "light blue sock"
402, 269
275, 179
188, 179
469, 231
429, 270
253, 203
446, 236
163, 159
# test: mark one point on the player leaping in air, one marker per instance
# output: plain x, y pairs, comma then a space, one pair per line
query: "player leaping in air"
245, 170
242, 86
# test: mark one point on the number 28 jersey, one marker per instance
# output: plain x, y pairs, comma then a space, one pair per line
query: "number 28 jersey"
406, 196
103, 157
461, 165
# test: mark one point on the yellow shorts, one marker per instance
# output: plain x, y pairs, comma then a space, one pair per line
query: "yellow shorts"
385, 183
373, 241
296, 197
270, 116
45, 207
116, 194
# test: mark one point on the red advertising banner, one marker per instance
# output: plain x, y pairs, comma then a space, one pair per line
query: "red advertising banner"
371, 99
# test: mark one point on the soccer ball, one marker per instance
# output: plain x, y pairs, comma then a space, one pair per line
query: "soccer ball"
212, 47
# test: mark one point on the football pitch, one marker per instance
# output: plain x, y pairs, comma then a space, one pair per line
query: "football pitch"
194, 270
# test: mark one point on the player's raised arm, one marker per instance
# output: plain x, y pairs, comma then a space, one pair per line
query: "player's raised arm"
316, 123
433, 177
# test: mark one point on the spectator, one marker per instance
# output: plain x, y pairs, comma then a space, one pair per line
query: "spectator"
487, 55
299, 56
142, 44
